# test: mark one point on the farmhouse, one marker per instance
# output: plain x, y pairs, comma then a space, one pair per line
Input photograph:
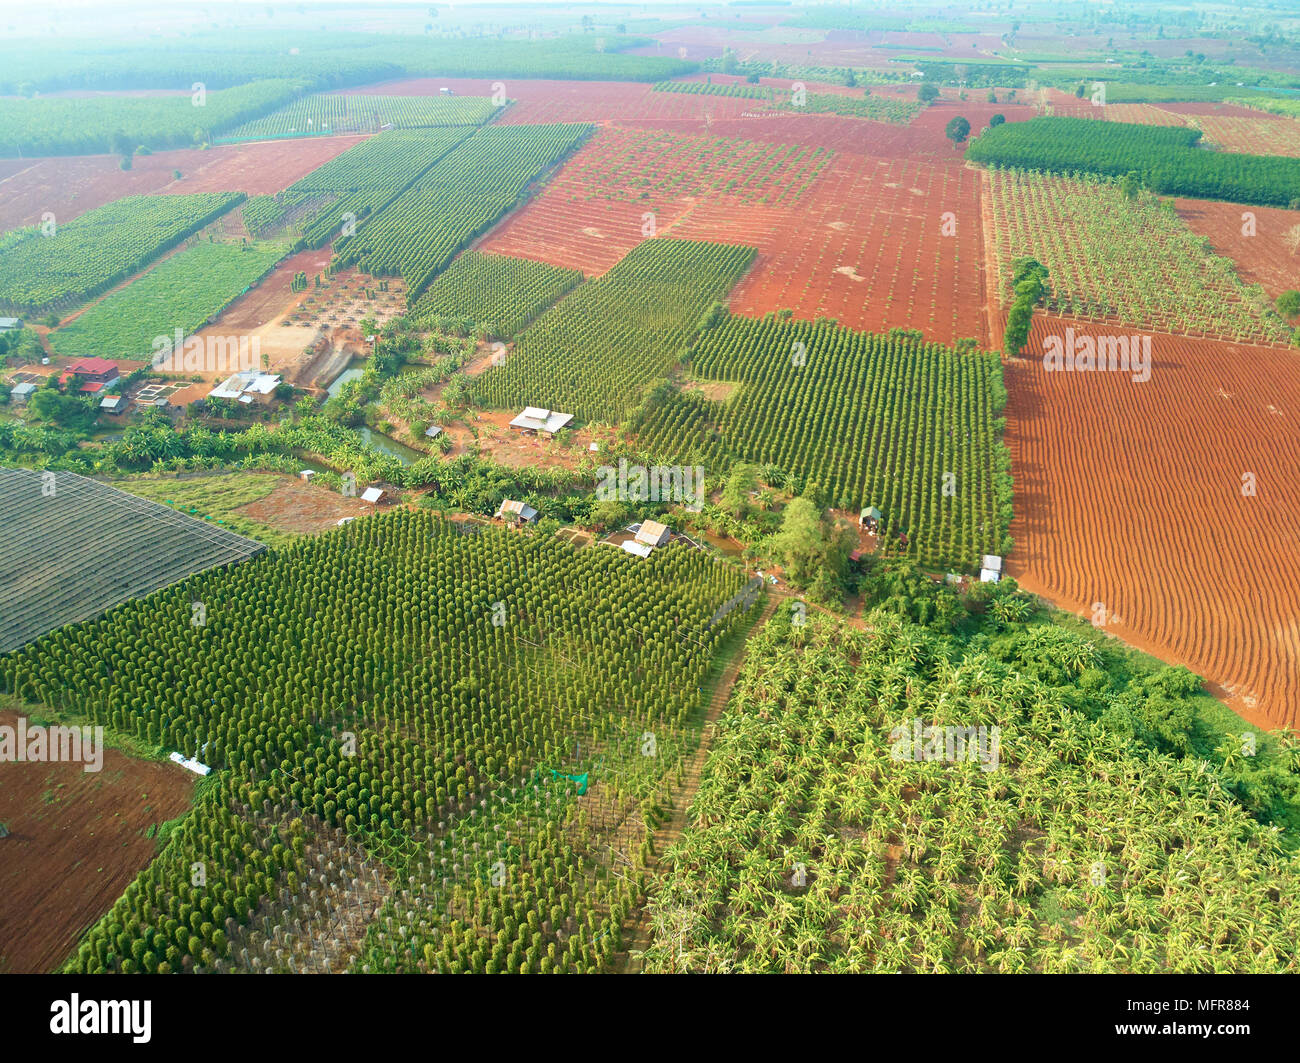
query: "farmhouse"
991, 570
432, 432
516, 511
646, 537
247, 388
869, 518
114, 404
21, 393
8, 324
534, 419
96, 374
373, 495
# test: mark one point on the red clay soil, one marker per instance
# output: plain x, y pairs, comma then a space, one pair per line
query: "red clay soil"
1130, 495
866, 246
300, 508
1254, 135
274, 293
76, 841
1263, 258
72, 185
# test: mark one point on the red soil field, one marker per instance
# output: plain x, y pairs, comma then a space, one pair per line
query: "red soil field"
1254, 135
72, 185
1131, 495
592, 213
866, 247
76, 841
1265, 258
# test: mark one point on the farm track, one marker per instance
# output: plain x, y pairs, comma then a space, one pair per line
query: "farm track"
636, 932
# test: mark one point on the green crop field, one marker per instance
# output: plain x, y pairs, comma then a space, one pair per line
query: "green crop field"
494, 294
887, 421
453, 201
593, 353
826, 838
184, 292
323, 113
562, 646
351, 187
92, 253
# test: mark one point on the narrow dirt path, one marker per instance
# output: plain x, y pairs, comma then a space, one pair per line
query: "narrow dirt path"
636, 931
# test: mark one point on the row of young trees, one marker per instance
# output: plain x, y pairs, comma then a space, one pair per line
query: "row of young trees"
1166, 158
393, 679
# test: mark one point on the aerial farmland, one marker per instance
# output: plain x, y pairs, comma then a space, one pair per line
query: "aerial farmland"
756, 488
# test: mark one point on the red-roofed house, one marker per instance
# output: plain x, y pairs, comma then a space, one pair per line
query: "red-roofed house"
96, 374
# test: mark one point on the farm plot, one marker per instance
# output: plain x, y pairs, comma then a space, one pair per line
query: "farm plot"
71, 186
248, 688
1263, 242
592, 353
325, 113
92, 253
875, 420
1138, 113
821, 840
493, 294
1125, 261
1254, 136
185, 292
455, 200
349, 188
626, 185
1133, 496
872, 246
76, 840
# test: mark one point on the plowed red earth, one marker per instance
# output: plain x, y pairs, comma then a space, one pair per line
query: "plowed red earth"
1263, 258
76, 840
867, 247
1131, 495
72, 185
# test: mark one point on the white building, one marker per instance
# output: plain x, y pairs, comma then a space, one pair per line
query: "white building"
247, 387
536, 419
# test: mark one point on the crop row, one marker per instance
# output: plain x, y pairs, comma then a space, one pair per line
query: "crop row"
593, 353
185, 291
90, 254
422, 229
1128, 260
884, 420
1166, 158
708, 88
323, 113
494, 294
350, 187
404, 683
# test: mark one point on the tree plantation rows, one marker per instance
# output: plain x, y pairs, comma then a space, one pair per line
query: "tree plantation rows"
90, 254
456, 199
185, 291
121, 124
1123, 258
352, 186
594, 351
889, 421
819, 842
322, 113
494, 294
1166, 158
406, 683
327, 59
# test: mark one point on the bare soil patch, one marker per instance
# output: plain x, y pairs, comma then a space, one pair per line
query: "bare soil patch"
76, 841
